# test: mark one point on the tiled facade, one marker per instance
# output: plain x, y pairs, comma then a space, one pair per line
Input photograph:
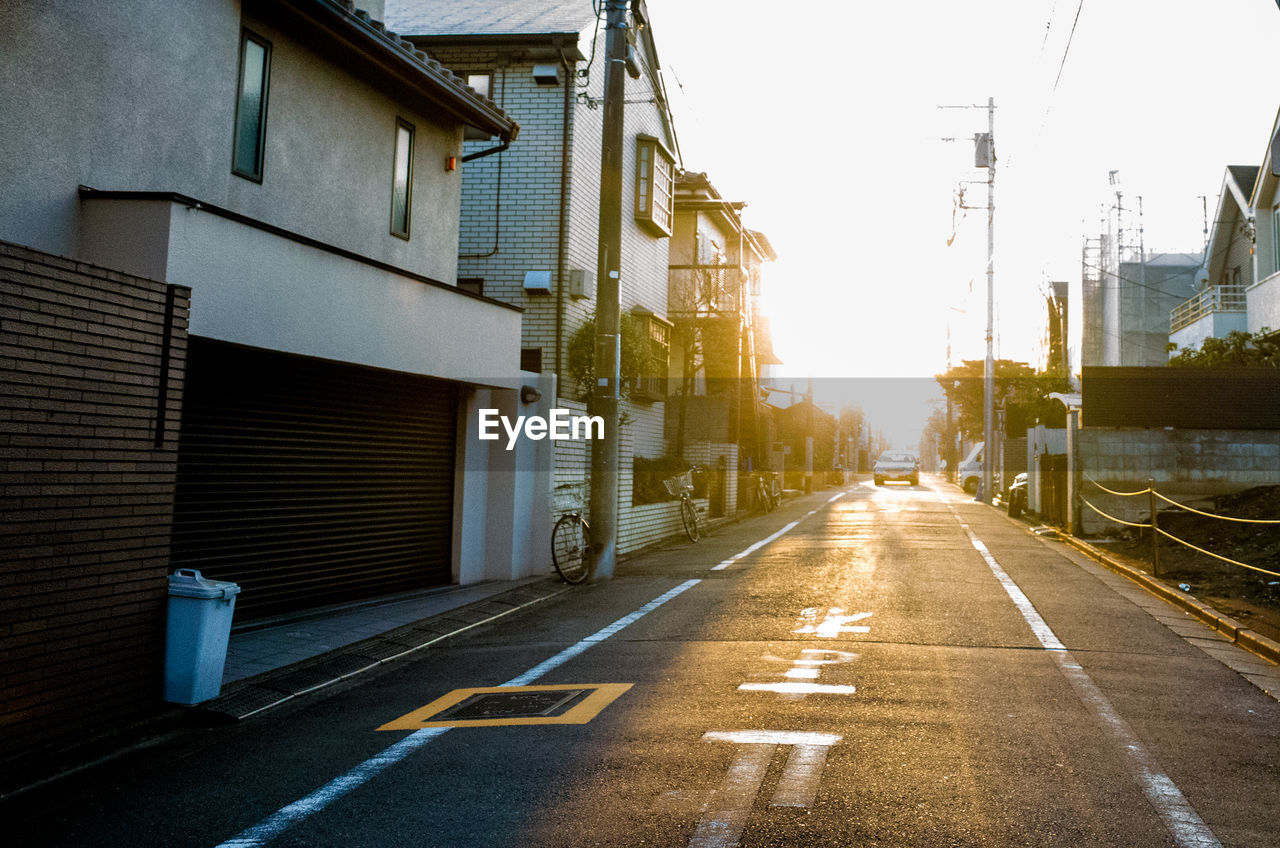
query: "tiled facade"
91, 372
511, 224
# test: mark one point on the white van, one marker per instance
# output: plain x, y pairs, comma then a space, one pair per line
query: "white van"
969, 471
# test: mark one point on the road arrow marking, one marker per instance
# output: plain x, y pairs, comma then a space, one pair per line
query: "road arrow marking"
832, 625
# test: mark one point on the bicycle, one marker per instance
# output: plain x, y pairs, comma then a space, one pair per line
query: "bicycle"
571, 547
765, 495
681, 486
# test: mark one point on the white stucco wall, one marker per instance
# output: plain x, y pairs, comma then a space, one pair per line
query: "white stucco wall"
1263, 301
140, 96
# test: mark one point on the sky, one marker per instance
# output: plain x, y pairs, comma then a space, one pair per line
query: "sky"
825, 120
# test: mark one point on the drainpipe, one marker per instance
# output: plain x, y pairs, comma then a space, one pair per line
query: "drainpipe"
480, 154
562, 246
497, 200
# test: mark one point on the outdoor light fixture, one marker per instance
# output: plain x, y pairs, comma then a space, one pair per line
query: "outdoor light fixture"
530, 394
451, 163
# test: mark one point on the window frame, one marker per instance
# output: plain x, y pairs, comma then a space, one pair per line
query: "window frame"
651, 150
260, 153
402, 125
656, 332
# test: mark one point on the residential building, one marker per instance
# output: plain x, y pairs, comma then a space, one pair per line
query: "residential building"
1263, 293
715, 414
292, 168
1127, 296
531, 214
1218, 306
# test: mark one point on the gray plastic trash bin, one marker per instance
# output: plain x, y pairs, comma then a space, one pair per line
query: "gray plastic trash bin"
199, 626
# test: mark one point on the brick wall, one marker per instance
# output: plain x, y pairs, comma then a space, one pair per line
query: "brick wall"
88, 493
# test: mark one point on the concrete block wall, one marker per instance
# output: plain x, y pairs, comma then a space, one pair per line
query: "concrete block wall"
1187, 465
88, 493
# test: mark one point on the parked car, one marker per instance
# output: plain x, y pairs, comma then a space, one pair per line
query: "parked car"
1016, 498
897, 465
969, 472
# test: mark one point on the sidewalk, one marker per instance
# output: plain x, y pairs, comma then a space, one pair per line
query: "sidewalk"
271, 662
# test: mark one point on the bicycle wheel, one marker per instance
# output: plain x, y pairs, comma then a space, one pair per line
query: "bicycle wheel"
689, 515
571, 548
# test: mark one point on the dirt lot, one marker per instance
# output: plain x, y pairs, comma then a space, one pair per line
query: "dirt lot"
1250, 597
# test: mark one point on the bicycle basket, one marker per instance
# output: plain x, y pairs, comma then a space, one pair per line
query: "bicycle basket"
679, 484
569, 497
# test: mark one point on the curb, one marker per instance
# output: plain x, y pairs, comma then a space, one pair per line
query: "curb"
1254, 643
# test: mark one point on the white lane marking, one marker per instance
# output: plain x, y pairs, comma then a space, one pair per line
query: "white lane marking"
1041, 630
802, 673
767, 539
758, 545
1186, 826
798, 786
721, 825
832, 625
597, 637
727, 812
824, 656
789, 688
284, 818
771, 737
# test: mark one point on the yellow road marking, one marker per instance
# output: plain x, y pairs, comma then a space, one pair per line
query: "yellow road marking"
602, 695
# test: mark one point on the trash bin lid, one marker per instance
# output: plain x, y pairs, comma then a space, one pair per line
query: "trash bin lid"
188, 583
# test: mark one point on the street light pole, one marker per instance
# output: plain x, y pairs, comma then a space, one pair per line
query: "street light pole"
605, 394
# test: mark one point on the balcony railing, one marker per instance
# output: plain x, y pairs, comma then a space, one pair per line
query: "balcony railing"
1225, 298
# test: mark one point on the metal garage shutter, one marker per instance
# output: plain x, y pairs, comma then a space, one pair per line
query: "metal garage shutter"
311, 482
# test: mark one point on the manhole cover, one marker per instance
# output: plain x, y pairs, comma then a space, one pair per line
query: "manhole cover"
495, 706
499, 705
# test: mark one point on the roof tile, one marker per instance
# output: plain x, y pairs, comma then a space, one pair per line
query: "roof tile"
488, 17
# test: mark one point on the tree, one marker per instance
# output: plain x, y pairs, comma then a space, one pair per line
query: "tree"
1238, 350
1017, 387
637, 356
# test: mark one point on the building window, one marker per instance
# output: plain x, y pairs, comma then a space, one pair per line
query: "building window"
472, 285
655, 332
251, 106
1275, 239
402, 180
655, 182
481, 81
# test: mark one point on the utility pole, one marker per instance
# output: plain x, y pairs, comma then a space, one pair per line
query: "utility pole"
985, 157
605, 395
989, 451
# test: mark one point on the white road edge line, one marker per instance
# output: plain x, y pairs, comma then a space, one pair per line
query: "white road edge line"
1186, 826
767, 539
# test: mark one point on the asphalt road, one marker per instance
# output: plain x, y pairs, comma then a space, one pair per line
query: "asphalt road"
901, 667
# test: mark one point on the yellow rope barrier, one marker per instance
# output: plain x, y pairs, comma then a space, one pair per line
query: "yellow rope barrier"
1112, 517
1215, 556
1219, 517
1167, 535
1120, 494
